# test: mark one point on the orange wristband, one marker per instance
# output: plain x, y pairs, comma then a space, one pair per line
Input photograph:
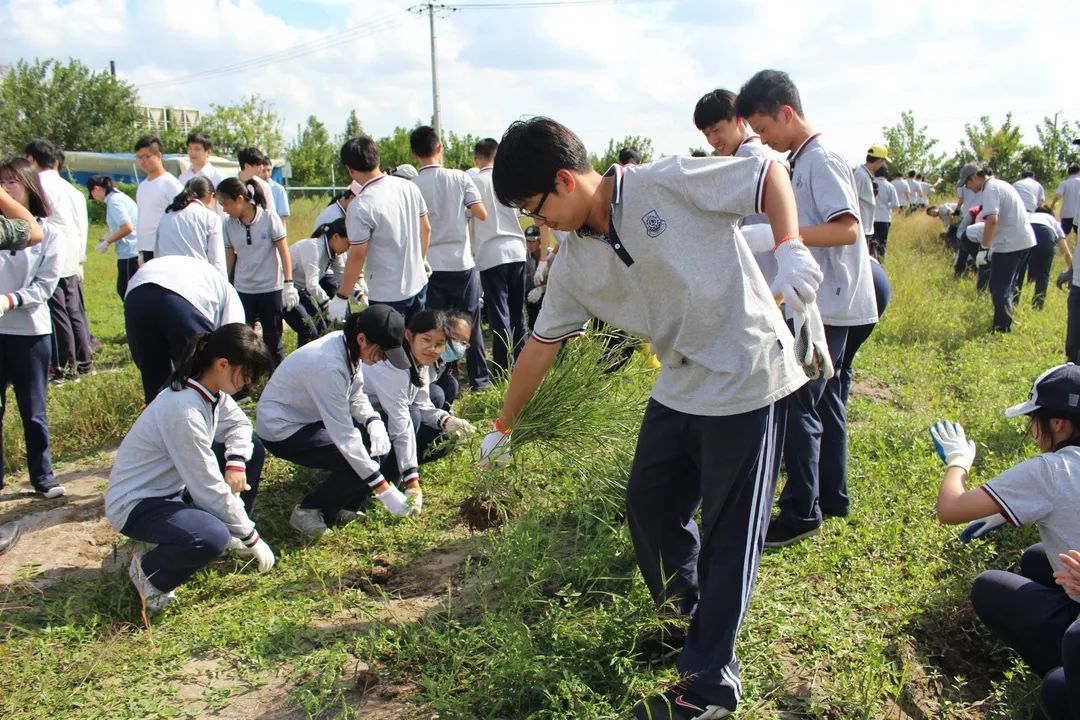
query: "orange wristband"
786, 238
500, 428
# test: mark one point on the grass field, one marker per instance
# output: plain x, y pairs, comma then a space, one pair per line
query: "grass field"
515, 595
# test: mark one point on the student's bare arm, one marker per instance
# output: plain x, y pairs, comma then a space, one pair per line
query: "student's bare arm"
1063, 246
121, 232
354, 267
842, 230
529, 371
14, 210
425, 235
957, 505
282, 247
230, 259
780, 205
989, 230
478, 211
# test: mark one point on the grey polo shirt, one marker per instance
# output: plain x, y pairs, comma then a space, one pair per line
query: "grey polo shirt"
386, 214
498, 240
864, 190
672, 270
448, 193
824, 190
194, 231
1031, 193
1013, 230
885, 201
258, 267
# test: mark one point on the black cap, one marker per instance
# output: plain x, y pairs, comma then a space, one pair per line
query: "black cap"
384, 326
532, 231
1057, 389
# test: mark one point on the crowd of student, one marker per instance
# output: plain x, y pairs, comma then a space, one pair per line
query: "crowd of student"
691, 253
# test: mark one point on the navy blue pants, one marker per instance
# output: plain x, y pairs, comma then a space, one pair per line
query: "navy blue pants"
1067, 225
312, 447
727, 466
71, 331
460, 290
409, 306
187, 537
1039, 262
965, 255
306, 319
881, 238
445, 390
159, 324
267, 310
1004, 269
24, 365
125, 269
1032, 615
504, 304
814, 408
1072, 328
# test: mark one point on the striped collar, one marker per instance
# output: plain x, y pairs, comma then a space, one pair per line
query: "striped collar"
254, 218
489, 168
749, 139
616, 172
799, 151
201, 389
371, 182
432, 165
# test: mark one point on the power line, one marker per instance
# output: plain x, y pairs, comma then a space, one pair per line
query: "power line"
545, 3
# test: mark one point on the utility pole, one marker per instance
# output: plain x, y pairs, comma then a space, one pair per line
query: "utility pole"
431, 8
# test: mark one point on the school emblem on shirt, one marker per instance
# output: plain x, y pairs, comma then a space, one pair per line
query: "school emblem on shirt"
654, 224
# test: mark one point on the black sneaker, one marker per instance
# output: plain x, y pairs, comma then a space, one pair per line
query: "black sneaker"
780, 535
679, 703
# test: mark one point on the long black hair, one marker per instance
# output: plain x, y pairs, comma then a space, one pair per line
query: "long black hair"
334, 227
346, 193
235, 342
22, 170
1041, 418
234, 188
422, 322
197, 188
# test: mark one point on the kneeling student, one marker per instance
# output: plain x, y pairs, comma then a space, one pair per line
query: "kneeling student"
186, 474
314, 412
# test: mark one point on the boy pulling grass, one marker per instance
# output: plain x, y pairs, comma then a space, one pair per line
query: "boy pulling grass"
652, 249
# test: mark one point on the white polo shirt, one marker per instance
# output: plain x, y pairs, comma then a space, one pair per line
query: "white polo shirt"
903, 192
386, 214
1031, 193
673, 271
196, 281
885, 201
69, 220
1069, 190
152, 197
824, 190
498, 240
207, 171
257, 268
864, 190
328, 214
1013, 230
194, 231
448, 193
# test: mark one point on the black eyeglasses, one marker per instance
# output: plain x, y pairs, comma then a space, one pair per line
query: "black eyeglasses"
535, 214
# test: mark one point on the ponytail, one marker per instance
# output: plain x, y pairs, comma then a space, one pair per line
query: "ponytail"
328, 230
235, 188
235, 342
197, 188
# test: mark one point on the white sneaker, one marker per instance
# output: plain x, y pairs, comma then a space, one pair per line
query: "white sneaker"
54, 492
154, 599
309, 521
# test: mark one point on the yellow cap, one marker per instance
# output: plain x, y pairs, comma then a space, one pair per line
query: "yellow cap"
879, 152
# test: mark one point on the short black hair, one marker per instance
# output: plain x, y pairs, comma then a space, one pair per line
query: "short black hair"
699, 153
250, 156
766, 92
101, 181
882, 171
423, 141
713, 107
360, 154
149, 142
486, 148
1073, 169
911, 173
45, 154
200, 139
530, 153
629, 156
1027, 174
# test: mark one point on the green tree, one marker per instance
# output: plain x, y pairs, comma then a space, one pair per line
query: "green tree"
68, 103
312, 156
458, 150
250, 123
911, 147
353, 128
1055, 150
999, 147
394, 149
611, 156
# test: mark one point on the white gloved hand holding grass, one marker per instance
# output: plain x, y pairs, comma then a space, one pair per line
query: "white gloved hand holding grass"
338, 308
414, 498
952, 445
797, 274
458, 427
258, 549
495, 449
393, 500
290, 296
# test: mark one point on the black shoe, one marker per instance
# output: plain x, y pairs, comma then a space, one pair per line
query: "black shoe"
836, 512
663, 644
679, 703
9, 535
780, 535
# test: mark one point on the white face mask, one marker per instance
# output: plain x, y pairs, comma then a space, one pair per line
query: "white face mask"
454, 351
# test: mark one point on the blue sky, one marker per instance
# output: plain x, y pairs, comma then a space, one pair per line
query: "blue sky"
607, 70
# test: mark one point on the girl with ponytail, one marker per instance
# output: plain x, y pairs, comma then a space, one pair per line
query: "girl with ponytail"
191, 225
257, 255
121, 217
186, 474
312, 259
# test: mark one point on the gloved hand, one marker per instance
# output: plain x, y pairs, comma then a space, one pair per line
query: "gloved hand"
540, 276
535, 295
103, 246
258, 549
759, 237
811, 348
952, 444
359, 290
427, 267
290, 296
338, 308
797, 274
1064, 279
414, 497
5, 304
495, 449
394, 501
378, 439
982, 527
458, 427
982, 257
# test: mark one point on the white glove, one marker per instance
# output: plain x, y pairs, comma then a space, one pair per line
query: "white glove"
338, 308
535, 295
540, 276
414, 497
797, 274
290, 296
264, 556
378, 439
359, 290
458, 427
759, 237
811, 348
427, 268
394, 501
952, 444
495, 449
982, 527
5, 304
102, 247
982, 257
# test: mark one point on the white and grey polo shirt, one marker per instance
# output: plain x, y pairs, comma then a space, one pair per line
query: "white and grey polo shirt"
1013, 231
448, 193
386, 214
